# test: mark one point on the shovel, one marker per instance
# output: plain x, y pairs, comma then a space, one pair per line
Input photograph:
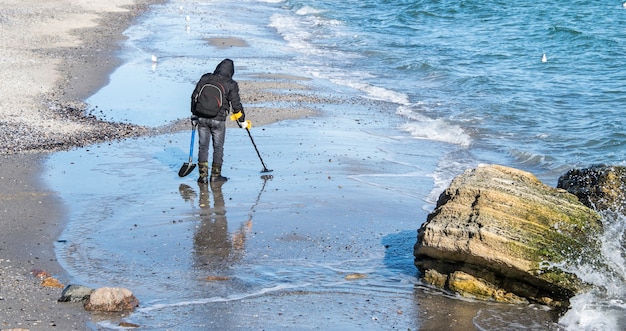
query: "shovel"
188, 167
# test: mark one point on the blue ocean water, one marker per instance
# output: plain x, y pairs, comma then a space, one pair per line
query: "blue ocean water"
532, 85
470, 72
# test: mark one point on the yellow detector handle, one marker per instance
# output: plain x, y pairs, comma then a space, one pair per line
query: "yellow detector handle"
245, 125
235, 116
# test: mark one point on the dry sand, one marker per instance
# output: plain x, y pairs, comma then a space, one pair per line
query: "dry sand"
54, 53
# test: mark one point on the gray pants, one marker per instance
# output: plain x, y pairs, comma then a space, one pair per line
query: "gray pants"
207, 129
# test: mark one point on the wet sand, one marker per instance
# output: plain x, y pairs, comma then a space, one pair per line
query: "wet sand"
56, 54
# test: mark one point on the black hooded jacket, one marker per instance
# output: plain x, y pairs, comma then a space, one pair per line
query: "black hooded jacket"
224, 74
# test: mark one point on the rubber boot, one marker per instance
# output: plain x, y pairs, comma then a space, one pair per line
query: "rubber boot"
216, 173
203, 169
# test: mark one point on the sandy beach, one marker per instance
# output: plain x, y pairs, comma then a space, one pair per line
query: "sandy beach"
54, 54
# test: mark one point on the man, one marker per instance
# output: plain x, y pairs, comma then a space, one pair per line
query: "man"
215, 94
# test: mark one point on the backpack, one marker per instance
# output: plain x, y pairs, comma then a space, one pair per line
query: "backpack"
209, 99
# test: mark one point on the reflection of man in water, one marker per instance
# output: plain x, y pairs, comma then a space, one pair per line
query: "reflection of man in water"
214, 246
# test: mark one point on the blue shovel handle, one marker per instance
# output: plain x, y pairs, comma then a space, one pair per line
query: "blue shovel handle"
193, 135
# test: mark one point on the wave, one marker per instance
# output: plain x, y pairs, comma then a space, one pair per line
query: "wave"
449, 166
303, 33
232, 297
308, 10
437, 129
302, 30
564, 31
604, 307
374, 92
531, 159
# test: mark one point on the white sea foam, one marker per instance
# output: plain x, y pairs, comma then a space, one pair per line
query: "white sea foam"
297, 31
373, 92
307, 10
298, 34
602, 308
232, 297
288, 27
437, 129
588, 312
450, 165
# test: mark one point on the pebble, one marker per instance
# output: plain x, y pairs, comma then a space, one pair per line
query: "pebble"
355, 276
23, 137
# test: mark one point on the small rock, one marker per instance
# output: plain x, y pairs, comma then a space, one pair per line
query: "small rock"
355, 276
52, 282
111, 300
216, 278
75, 293
129, 325
42, 274
472, 287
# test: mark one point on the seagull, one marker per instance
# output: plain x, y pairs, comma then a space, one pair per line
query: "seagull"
154, 58
544, 58
187, 18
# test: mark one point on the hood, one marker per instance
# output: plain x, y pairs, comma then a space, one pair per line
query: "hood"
226, 68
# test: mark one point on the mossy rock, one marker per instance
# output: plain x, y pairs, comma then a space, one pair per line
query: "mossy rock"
504, 226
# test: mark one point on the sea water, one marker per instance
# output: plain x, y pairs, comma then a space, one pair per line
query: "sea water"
533, 85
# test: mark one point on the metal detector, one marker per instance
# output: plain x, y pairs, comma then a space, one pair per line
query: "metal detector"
255, 148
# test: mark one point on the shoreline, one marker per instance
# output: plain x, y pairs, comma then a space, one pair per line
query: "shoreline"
68, 67
73, 65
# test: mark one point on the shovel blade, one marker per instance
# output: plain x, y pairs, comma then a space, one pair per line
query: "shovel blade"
186, 169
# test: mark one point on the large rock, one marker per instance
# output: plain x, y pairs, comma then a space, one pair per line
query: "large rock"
111, 300
600, 187
498, 233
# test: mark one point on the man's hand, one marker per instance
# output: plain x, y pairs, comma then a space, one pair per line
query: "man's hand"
238, 116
